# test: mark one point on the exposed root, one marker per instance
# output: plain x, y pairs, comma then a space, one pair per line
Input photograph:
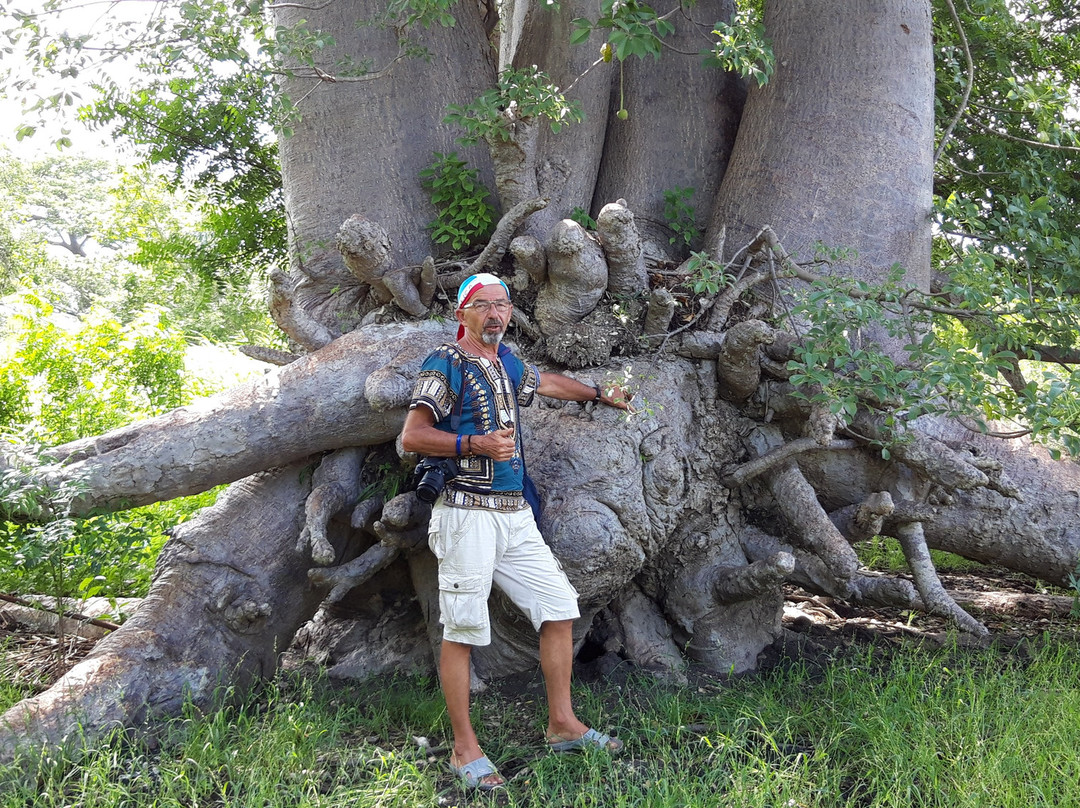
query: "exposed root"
622, 245
814, 575
402, 287
741, 583
820, 424
997, 480
797, 500
301, 327
577, 278
503, 236
365, 248
206, 626
365, 513
646, 635
404, 522
271, 356
737, 366
336, 483
700, 344
935, 599
721, 309
865, 519
347, 577
883, 590
924, 454
429, 282
810, 571
530, 262
658, 316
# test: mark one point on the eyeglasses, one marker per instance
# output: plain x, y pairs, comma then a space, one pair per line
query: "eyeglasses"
484, 306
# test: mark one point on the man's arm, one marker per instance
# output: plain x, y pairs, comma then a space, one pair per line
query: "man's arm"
555, 385
420, 435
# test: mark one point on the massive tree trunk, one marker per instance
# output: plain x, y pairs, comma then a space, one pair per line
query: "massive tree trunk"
679, 525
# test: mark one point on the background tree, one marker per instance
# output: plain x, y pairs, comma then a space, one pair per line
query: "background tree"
797, 373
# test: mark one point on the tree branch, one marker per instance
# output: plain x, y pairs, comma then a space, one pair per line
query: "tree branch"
967, 89
754, 468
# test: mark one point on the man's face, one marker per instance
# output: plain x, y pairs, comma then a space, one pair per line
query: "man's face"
484, 321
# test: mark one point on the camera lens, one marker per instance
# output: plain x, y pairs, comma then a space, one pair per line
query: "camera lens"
427, 492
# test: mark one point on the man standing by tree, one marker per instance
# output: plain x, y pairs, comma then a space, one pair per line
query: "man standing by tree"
482, 529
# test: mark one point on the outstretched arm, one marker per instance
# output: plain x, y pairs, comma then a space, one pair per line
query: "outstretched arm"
555, 385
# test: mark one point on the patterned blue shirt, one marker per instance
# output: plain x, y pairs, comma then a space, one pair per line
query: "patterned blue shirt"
490, 402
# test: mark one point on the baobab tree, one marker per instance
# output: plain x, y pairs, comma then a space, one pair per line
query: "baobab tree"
790, 400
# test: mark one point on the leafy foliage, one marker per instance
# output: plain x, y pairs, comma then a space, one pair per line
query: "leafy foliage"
582, 217
465, 217
65, 200
90, 379
743, 48
635, 29
200, 106
104, 555
520, 95
705, 276
129, 224
679, 215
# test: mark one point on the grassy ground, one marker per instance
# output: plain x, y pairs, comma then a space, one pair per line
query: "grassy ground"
874, 725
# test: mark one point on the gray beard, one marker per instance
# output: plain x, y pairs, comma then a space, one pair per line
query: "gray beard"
492, 339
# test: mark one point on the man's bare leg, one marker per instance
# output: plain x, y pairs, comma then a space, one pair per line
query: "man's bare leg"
557, 662
454, 673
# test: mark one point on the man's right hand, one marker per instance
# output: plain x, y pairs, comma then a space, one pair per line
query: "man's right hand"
498, 445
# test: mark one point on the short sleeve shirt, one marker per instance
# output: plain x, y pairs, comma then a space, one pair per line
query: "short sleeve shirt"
490, 401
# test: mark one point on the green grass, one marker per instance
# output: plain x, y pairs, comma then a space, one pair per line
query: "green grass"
884, 553
875, 727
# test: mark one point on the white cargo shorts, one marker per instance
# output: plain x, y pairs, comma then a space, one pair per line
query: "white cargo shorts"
477, 548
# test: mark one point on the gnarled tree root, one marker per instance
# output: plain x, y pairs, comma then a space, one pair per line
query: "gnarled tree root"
737, 366
622, 245
577, 276
503, 236
797, 500
347, 577
337, 483
935, 599
229, 594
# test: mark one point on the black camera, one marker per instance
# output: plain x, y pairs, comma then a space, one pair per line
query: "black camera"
431, 475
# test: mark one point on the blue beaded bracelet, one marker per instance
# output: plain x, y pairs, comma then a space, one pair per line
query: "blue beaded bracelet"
459, 445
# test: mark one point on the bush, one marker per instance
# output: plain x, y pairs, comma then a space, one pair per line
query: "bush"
65, 383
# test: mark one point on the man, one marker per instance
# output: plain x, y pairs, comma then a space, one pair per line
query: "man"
482, 530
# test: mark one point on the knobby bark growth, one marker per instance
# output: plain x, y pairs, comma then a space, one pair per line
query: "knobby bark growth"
679, 525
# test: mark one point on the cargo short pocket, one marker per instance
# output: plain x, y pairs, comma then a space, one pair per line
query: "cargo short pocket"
463, 601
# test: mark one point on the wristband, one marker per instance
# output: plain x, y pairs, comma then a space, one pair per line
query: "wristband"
598, 395
470, 445
459, 445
